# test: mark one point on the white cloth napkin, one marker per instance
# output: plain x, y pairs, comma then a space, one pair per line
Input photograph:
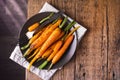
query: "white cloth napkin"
17, 56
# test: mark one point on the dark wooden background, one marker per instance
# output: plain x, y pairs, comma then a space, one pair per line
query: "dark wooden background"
98, 54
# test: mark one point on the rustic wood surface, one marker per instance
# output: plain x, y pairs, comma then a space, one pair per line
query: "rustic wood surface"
98, 53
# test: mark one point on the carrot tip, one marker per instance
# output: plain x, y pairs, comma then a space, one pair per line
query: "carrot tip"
27, 52
50, 67
30, 57
24, 47
30, 64
39, 59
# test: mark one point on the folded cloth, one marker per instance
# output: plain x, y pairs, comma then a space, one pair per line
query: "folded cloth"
17, 56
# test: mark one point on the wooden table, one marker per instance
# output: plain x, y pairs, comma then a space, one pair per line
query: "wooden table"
98, 54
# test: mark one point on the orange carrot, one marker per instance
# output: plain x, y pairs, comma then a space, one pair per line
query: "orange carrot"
55, 50
33, 39
35, 52
57, 47
29, 50
61, 35
47, 53
47, 43
36, 35
33, 27
61, 51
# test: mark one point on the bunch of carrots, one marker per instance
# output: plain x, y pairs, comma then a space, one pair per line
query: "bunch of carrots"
49, 43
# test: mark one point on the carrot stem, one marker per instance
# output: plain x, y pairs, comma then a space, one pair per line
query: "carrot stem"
71, 32
69, 26
63, 23
24, 47
43, 65
55, 20
27, 52
46, 18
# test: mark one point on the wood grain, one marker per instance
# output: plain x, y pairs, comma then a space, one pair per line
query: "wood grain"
113, 39
91, 56
97, 56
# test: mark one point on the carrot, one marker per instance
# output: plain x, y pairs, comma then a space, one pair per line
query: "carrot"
35, 52
37, 35
27, 52
55, 50
61, 51
33, 39
47, 43
35, 25
46, 54
45, 35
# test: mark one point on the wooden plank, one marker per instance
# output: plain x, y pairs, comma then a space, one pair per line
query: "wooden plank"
68, 70
34, 6
91, 57
113, 17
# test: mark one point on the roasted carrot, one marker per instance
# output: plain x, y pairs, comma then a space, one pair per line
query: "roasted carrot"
47, 43
29, 50
35, 25
35, 52
33, 39
46, 54
61, 51
55, 50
